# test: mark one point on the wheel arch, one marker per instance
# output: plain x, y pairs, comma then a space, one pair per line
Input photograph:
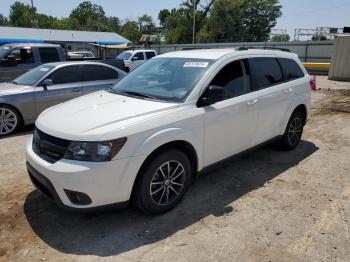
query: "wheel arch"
182, 145
16, 109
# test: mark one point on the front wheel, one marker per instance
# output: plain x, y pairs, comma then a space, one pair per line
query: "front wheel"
9, 120
294, 130
163, 182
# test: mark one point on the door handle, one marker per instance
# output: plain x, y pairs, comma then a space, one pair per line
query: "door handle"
252, 102
76, 89
286, 91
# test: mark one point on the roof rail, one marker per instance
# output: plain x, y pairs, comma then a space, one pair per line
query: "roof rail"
244, 48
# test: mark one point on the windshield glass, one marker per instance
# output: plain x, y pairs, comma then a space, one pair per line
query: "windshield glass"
34, 75
125, 55
3, 50
168, 79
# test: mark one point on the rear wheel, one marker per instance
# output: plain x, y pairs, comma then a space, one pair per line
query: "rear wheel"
163, 182
293, 132
10, 120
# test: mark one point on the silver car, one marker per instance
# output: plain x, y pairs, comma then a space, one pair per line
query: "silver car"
22, 100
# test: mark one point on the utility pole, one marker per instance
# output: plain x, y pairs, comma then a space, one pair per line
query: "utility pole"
33, 18
194, 21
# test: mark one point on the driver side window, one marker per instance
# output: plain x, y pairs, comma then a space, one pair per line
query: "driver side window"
139, 56
234, 78
22, 55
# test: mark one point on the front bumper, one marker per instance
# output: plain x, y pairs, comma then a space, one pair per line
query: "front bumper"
104, 183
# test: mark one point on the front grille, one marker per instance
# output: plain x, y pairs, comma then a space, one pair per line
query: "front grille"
48, 147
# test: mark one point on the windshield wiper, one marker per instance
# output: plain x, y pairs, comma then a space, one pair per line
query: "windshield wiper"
14, 82
134, 93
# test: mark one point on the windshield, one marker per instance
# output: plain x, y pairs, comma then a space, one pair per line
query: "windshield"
4, 50
168, 79
125, 55
34, 75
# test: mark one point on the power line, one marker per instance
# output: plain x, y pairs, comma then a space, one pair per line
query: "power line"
316, 11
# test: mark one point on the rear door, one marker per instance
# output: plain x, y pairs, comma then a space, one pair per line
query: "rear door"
49, 55
97, 77
267, 84
66, 85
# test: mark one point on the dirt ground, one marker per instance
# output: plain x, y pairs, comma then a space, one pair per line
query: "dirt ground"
267, 205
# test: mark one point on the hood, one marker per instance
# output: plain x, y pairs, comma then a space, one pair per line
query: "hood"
90, 117
10, 88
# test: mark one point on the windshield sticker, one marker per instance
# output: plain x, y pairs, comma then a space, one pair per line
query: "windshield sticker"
44, 69
196, 64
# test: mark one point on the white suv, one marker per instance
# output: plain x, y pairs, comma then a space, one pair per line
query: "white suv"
135, 58
180, 112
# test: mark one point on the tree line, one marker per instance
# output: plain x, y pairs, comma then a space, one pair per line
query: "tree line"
216, 21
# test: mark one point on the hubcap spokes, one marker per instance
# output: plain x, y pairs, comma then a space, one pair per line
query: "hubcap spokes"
8, 121
294, 132
167, 182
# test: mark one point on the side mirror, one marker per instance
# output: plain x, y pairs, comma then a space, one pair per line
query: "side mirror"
10, 60
211, 96
47, 82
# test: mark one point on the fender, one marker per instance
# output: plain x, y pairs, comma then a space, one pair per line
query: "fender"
297, 100
161, 137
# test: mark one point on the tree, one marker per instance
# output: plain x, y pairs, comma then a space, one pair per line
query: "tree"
319, 37
280, 38
146, 25
130, 30
3, 20
88, 16
242, 20
22, 15
176, 24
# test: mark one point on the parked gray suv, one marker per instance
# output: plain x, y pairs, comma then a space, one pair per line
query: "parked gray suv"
22, 100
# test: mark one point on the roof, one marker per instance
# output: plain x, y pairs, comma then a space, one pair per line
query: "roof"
31, 45
34, 35
139, 50
218, 53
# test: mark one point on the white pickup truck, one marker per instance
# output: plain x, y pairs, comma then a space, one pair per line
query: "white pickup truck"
134, 58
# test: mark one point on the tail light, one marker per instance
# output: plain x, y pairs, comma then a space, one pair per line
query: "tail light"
313, 83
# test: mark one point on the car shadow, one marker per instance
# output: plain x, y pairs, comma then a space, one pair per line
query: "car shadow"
25, 130
115, 232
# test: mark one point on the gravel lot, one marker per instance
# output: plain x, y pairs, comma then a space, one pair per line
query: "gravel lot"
267, 205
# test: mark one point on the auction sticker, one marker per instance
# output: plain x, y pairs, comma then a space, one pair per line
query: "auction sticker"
196, 64
44, 69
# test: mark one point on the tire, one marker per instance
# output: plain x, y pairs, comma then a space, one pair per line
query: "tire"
294, 130
127, 70
10, 120
157, 190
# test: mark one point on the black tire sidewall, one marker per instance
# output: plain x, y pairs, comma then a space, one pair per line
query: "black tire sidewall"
285, 141
142, 196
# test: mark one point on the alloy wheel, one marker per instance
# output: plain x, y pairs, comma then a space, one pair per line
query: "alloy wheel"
295, 130
167, 183
8, 121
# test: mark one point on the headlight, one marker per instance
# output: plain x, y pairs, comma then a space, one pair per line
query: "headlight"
94, 151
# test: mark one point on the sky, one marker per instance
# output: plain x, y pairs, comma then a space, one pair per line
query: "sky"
296, 13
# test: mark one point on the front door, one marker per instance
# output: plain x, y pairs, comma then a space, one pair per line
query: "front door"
230, 124
66, 85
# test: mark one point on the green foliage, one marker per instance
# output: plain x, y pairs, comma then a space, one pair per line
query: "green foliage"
21, 15
319, 37
216, 21
280, 38
3, 20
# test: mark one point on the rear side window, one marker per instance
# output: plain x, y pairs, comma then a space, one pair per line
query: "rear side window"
96, 72
290, 68
149, 55
65, 75
48, 54
266, 72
